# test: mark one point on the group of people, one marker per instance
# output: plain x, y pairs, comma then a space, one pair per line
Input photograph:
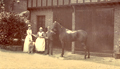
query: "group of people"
38, 45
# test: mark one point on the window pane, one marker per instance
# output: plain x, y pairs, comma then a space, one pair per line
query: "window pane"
66, 2
95, 0
39, 3
87, 0
34, 3
29, 3
73, 1
80, 1
49, 2
60, 2
44, 2
54, 2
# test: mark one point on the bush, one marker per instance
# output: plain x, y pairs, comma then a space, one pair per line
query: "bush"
11, 26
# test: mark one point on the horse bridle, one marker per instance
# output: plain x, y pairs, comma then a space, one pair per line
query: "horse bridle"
52, 31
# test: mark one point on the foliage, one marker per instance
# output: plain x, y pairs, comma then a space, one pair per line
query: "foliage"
2, 5
11, 26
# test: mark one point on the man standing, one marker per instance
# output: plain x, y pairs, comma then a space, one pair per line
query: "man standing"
49, 41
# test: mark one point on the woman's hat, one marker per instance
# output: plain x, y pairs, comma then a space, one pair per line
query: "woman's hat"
29, 25
40, 28
48, 27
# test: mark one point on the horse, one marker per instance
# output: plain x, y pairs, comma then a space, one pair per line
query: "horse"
66, 35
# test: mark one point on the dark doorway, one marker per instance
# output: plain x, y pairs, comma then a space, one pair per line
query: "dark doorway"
40, 21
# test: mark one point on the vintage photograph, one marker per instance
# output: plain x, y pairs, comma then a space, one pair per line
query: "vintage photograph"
59, 34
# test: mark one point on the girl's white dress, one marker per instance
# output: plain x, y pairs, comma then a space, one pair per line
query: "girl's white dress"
40, 42
27, 40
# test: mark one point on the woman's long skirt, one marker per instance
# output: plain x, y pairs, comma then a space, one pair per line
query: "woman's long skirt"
40, 44
26, 43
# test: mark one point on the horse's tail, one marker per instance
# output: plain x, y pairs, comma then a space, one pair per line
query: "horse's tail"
87, 45
86, 39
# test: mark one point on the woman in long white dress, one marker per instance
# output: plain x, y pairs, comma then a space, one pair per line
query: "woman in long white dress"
27, 39
40, 41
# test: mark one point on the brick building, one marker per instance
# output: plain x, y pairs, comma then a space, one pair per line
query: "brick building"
100, 18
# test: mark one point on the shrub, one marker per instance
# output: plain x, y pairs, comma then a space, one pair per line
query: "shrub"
11, 26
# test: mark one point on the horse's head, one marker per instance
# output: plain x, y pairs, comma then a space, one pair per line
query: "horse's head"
57, 27
51, 34
49, 29
54, 26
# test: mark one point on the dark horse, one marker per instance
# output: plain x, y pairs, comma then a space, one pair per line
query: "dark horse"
66, 35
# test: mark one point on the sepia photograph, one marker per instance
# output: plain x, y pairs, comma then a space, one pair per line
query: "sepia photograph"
59, 34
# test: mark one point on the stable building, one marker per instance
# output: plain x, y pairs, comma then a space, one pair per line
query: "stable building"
100, 18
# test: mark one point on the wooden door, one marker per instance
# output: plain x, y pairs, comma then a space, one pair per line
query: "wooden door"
40, 21
103, 29
100, 28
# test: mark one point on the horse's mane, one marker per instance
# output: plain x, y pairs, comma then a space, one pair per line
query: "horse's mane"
64, 27
60, 25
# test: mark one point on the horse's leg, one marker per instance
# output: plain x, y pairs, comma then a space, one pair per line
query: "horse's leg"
62, 48
88, 52
83, 44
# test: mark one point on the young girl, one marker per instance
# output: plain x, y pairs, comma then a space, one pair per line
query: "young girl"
31, 47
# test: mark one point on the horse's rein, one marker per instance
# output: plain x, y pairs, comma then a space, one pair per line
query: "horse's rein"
52, 31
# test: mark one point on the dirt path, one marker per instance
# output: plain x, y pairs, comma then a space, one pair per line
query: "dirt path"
20, 60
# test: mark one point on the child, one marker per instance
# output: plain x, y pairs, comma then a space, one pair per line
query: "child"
31, 47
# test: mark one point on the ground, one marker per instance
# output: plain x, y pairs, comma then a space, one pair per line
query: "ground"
19, 60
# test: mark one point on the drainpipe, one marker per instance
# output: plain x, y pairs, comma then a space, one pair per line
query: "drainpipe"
73, 28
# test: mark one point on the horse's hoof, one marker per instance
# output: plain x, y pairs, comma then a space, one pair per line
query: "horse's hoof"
61, 55
50, 55
45, 53
88, 57
60, 58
